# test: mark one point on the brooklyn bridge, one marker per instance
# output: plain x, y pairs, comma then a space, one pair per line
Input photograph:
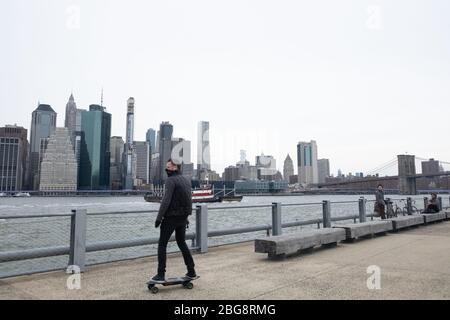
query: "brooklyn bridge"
408, 181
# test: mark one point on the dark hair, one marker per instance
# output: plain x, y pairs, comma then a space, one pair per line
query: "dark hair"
380, 185
434, 194
175, 164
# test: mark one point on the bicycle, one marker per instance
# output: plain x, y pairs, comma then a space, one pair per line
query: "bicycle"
394, 210
391, 211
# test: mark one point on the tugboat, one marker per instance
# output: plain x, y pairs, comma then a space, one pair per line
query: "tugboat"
203, 195
22, 195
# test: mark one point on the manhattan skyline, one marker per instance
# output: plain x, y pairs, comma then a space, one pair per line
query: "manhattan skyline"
360, 77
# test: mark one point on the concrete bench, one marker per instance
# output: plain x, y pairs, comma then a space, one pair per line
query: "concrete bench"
434, 217
447, 213
281, 246
364, 229
406, 222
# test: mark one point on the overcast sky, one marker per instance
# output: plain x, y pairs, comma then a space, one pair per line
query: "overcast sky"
366, 79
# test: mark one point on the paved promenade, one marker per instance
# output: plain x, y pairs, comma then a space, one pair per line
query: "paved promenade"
415, 264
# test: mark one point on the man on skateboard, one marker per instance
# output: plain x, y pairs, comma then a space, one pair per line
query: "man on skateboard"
176, 207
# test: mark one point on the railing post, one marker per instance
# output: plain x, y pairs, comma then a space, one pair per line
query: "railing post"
409, 206
326, 208
276, 219
201, 230
425, 203
440, 203
362, 210
77, 255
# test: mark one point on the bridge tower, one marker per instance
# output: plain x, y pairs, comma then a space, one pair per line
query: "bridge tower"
407, 174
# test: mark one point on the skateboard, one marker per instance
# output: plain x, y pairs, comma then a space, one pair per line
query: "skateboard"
186, 282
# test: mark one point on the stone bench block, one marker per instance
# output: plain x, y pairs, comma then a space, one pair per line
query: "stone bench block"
433, 217
406, 222
371, 228
283, 245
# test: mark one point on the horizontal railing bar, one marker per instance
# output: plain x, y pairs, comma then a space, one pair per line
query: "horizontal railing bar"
32, 216
301, 204
34, 254
119, 212
301, 223
343, 202
225, 232
241, 207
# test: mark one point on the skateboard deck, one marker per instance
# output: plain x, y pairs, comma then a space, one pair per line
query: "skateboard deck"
186, 282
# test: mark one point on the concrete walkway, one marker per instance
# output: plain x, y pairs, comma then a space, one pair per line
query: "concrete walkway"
415, 264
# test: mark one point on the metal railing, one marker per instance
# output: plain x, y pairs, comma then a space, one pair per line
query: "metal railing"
77, 248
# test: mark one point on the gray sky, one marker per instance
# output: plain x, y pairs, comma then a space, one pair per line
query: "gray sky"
362, 78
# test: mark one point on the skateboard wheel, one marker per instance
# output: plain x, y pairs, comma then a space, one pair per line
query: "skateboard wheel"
154, 290
189, 285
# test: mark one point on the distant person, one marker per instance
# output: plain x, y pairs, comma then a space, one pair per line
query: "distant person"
433, 204
380, 203
176, 207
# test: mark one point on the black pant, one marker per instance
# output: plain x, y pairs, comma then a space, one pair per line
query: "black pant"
432, 208
168, 226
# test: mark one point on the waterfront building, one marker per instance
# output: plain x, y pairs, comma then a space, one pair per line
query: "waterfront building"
59, 164
13, 158
129, 156
151, 139
165, 134
181, 154
323, 167
95, 149
203, 147
267, 167
116, 149
307, 163
143, 162
231, 174
430, 167
288, 168
43, 124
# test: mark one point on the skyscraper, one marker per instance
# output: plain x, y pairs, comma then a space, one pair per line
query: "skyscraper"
165, 149
116, 149
203, 147
267, 167
181, 154
288, 168
13, 158
430, 167
323, 166
129, 161
71, 118
307, 163
59, 165
43, 124
95, 149
143, 161
151, 139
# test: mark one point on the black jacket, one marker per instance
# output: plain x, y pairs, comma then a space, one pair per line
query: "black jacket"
177, 200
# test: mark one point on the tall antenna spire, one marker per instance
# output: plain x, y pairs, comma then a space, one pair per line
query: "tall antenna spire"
101, 103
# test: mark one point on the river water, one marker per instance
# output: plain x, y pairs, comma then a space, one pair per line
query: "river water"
23, 234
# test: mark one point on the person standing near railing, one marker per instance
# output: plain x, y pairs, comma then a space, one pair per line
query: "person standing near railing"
176, 207
380, 203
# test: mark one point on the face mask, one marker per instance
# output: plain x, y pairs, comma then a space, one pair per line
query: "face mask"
170, 173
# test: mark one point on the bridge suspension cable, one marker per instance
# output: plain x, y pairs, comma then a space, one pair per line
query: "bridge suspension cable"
384, 166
